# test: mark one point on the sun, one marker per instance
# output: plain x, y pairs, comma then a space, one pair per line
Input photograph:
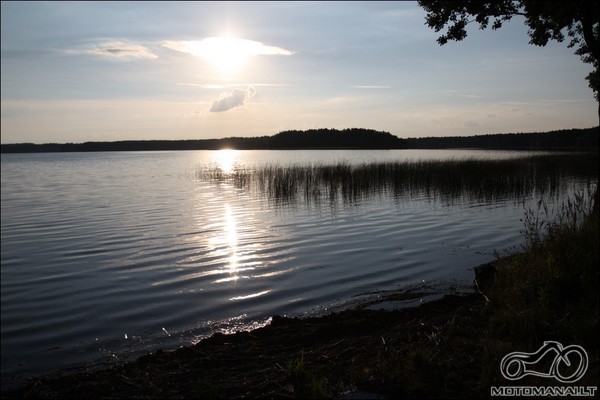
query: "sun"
228, 55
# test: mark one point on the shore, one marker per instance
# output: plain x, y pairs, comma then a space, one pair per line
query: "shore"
446, 348
349, 354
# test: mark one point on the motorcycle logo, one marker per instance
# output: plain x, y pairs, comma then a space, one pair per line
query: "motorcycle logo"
569, 363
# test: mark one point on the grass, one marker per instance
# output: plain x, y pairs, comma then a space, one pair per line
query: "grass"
304, 383
549, 291
450, 180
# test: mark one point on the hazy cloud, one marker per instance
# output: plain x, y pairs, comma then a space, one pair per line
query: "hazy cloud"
117, 50
208, 47
236, 98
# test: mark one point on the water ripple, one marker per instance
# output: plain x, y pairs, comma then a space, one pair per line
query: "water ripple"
104, 253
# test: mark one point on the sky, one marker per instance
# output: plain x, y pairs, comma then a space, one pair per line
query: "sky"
108, 71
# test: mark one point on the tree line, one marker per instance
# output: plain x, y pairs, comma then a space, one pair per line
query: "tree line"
352, 138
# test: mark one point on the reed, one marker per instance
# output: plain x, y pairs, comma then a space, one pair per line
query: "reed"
448, 180
550, 289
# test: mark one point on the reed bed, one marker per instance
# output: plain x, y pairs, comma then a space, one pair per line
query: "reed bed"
447, 180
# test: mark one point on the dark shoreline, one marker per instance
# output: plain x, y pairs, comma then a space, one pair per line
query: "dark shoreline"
330, 139
256, 364
446, 348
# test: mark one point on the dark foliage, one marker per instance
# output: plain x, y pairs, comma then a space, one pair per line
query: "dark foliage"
547, 20
354, 138
555, 140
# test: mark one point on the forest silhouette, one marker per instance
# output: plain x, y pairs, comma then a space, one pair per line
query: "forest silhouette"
352, 138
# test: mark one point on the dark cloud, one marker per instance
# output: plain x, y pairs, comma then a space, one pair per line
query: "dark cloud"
116, 50
236, 98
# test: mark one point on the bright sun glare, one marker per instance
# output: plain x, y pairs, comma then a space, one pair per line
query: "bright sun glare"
226, 160
226, 54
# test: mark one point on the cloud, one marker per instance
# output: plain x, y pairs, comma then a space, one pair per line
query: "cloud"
117, 50
209, 47
236, 98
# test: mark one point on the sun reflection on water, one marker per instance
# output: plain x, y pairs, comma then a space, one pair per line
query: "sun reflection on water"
226, 160
235, 240
232, 241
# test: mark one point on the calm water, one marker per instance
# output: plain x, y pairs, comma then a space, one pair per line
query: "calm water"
106, 256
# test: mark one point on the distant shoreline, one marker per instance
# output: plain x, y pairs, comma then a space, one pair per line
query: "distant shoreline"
330, 139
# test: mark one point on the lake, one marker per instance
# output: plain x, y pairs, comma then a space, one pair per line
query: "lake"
108, 256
